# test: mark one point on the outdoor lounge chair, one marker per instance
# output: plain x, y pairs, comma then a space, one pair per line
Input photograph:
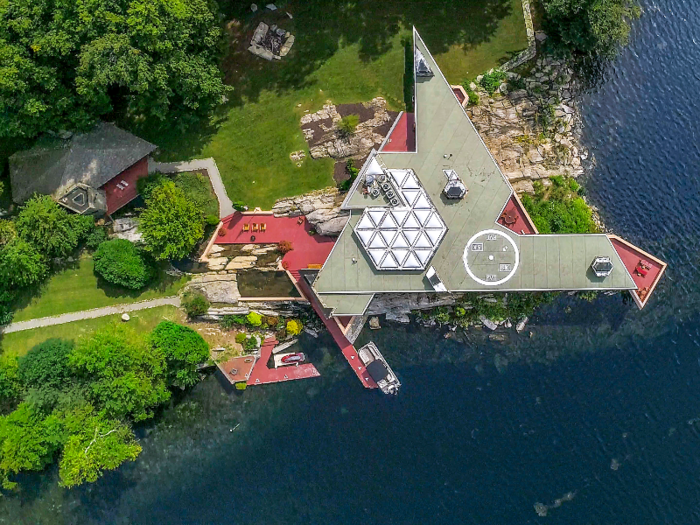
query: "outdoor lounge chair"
246, 227
263, 227
255, 227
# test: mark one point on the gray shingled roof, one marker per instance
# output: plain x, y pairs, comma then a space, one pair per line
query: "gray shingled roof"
54, 165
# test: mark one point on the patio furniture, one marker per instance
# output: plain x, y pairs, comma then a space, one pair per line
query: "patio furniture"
510, 217
641, 270
263, 227
255, 227
246, 227
300, 220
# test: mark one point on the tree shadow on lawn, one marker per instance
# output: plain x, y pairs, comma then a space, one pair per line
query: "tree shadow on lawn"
320, 27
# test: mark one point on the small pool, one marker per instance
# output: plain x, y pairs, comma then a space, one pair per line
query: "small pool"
256, 283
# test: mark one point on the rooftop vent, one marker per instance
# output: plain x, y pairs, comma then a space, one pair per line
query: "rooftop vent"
422, 67
455, 188
602, 266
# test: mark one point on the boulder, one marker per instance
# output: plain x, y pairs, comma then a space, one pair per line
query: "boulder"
398, 317
332, 227
216, 288
520, 326
488, 323
126, 228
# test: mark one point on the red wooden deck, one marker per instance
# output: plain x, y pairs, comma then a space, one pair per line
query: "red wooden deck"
631, 255
403, 136
243, 366
346, 347
116, 198
261, 374
308, 249
523, 225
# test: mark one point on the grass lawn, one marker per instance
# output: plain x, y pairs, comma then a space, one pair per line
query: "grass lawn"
198, 189
19, 343
346, 52
78, 288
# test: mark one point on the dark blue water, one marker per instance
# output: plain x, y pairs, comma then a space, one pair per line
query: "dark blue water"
593, 420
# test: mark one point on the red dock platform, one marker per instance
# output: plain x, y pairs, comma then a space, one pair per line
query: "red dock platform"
262, 375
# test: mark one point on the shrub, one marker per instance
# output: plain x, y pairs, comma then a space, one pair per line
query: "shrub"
285, 247
46, 364
183, 349
473, 98
146, 185
241, 337
348, 124
271, 321
253, 319
96, 237
459, 311
211, 220
294, 327
122, 263
352, 171
239, 206
195, 304
251, 343
492, 80
171, 224
9, 382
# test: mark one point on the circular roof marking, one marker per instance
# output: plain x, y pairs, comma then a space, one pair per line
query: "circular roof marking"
501, 235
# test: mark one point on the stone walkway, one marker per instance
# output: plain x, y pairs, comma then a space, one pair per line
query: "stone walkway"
225, 204
88, 314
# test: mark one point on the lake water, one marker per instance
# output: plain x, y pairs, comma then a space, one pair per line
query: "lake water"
593, 420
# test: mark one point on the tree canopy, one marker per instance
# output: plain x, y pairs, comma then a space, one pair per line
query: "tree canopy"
183, 349
50, 228
21, 264
590, 27
121, 262
126, 376
64, 63
171, 224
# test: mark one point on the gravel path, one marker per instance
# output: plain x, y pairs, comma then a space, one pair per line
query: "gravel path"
225, 204
88, 314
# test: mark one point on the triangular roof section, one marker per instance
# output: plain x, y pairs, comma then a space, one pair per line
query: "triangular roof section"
54, 165
374, 168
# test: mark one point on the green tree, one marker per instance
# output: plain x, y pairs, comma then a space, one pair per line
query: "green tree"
171, 224
121, 262
49, 227
9, 382
45, 375
63, 63
21, 265
590, 27
183, 349
28, 441
95, 444
126, 376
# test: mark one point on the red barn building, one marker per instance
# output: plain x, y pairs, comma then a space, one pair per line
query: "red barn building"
89, 173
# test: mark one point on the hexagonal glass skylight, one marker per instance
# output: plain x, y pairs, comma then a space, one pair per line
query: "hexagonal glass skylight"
402, 237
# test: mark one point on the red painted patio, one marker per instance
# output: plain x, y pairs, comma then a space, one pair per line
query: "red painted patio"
523, 224
403, 135
116, 197
309, 250
262, 374
631, 256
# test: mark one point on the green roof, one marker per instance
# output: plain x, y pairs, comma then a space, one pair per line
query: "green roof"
446, 139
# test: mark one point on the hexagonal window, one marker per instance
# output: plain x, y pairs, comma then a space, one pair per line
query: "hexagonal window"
602, 266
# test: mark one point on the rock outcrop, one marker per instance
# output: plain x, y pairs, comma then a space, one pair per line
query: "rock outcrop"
399, 304
216, 288
321, 208
325, 140
126, 228
532, 132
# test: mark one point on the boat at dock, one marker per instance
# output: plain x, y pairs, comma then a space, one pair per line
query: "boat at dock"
379, 369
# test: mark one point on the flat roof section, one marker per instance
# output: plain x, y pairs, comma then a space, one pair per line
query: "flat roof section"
447, 140
403, 135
